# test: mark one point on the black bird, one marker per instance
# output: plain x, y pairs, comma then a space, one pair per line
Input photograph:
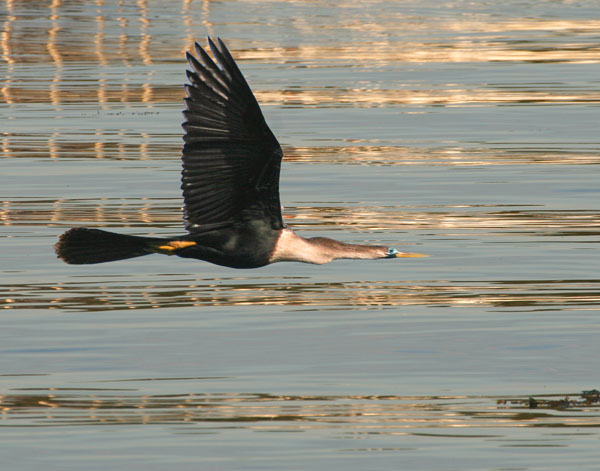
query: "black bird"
230, 182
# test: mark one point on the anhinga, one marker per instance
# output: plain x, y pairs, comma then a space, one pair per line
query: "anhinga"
230, 182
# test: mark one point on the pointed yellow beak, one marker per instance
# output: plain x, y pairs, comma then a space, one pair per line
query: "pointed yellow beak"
410, 254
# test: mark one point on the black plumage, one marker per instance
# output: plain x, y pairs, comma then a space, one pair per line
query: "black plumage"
230, 181
231, 159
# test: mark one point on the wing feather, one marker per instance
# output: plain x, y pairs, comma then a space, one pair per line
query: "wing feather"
231, 159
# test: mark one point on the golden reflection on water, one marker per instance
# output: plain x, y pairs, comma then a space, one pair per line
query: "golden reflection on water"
106, 145
149, 213
127, 32
127, 145
122, 35
441, 156
176, 291
448, 94
102, 91
388, 415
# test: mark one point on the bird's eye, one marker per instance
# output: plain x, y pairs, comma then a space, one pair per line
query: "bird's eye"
391, 251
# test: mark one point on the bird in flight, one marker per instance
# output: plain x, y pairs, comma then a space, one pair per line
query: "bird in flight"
230, 182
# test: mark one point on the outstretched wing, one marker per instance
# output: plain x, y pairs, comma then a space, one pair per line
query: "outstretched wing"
231, 159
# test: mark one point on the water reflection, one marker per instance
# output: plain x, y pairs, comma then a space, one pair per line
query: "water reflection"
446, 94
125, 45
109, 90
153, 213
453, 156
175, 291
127, 145
119, 31
388, 414
149, 213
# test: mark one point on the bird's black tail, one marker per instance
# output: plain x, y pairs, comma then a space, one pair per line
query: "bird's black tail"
82, 246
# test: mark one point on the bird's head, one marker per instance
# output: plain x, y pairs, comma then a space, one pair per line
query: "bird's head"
395, 253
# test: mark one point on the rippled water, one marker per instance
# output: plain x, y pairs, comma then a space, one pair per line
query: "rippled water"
465, 130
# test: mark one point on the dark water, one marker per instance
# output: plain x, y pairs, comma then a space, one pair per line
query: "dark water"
465, 130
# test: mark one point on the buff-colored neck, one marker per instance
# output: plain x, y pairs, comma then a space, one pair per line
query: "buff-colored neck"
293, 248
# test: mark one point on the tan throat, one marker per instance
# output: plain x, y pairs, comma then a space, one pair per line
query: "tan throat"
290, 247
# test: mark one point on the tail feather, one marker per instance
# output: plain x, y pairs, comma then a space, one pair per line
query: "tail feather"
82, 246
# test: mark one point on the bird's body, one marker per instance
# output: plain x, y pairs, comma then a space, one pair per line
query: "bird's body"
230, 182
241, 246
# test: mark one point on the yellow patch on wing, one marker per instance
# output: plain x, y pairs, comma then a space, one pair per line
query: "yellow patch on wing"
175, 245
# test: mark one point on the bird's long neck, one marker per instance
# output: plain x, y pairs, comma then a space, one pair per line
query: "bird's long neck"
319, 250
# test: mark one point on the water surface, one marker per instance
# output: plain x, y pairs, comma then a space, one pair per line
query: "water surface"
465, 130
